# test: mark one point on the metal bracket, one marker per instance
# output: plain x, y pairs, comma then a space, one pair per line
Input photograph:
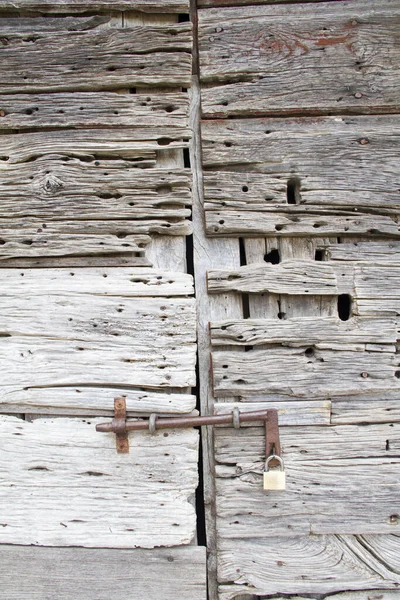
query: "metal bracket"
121, 426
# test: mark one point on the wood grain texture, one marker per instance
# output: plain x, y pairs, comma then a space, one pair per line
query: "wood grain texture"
62, 328
68, 573
377, 252
74, 489
379, 409
377, 289
101, 573
288, 277
44, 58
326, 467
305, 372
86, 400
306, 565
129, 143
93, 109
57, 206
308, 58
79, 6
298, 413
307, 330
337, 166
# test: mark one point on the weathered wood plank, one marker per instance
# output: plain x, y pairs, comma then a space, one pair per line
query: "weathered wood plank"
307, 565
265, 193
53, 187
288, 277
70, 573
98, 58
93, 319
377, 289
79, 6
325, 58
304, 372
88, 109
378, 252
330, 167
92, 401
128, 143
382, 409
298, 223
326, 467
303, 330
213, 3
299, 413
63, 492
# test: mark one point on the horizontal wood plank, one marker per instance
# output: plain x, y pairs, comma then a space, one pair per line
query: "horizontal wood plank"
276, 223
301, 176
377, 252
102, 573
309, 58
79, 6
303, 330
93, 109
296, 277
307, 565
129, 143
326, 467
381, 409
75, 490
304, 372
71, 328
96, 58
299, 413
86, 400
377, 289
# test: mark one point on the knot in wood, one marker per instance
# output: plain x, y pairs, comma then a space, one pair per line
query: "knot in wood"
51, 184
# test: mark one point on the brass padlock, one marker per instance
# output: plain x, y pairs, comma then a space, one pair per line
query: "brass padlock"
274, 479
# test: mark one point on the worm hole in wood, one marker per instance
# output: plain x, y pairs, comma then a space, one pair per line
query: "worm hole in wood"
344, 307
273, 257
293, 191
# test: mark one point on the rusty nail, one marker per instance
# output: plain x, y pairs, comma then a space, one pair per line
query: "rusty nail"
358, 95
364, 141
2, 113
364, 374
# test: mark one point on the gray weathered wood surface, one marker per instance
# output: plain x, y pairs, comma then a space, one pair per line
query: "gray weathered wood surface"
71, 573
90, 55
93, 109
334, 57
289, 277
60, 206
306, 330
338, 166
328, 468
78, 6
63, 484
305, 372
317, 564
93, 321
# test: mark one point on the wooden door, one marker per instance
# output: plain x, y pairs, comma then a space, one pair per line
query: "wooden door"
298, 266
96, 301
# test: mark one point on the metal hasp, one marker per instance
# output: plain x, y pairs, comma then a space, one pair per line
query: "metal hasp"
120, 426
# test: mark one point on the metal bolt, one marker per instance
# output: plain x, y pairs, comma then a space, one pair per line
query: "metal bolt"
364, 374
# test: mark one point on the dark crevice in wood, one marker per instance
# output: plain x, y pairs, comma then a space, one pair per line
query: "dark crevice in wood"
344, 305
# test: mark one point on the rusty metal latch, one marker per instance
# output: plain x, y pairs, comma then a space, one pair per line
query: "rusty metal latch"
121, 426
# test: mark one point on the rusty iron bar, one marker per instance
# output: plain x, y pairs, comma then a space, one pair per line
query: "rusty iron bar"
179, 422
120, 426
